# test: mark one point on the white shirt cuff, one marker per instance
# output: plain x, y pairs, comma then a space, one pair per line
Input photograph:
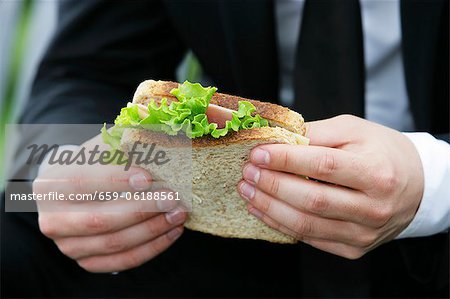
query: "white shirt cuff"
433, 215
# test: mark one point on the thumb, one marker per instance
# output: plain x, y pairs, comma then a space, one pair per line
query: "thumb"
333, 132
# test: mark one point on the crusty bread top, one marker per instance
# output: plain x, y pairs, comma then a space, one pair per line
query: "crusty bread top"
276, 115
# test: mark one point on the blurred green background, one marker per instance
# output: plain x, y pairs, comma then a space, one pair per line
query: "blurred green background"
26, 28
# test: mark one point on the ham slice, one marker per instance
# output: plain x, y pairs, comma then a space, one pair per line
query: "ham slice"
216, 114
142, 111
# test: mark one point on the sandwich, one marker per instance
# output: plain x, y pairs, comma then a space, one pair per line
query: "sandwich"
222, 130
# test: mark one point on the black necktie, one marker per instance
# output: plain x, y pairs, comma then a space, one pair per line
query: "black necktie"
329, 80
329, 71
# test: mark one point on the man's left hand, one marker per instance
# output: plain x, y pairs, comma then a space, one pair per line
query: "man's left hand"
365, 183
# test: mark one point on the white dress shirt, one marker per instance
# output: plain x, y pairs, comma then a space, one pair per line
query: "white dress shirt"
386, 99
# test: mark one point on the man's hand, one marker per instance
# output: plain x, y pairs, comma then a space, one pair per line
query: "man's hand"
365, 185
106, 236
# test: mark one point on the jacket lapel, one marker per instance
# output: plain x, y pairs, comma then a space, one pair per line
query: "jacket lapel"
421, 21
425, 57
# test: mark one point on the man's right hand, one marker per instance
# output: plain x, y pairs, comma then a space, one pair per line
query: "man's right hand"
109, 236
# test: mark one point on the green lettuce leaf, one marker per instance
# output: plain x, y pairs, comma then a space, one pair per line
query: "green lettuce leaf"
128, 116
112, 137
187, 116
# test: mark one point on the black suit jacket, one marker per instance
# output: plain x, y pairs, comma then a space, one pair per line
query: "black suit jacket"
103, 49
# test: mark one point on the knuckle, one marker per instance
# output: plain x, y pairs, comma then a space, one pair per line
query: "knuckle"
132, 260
385, 180
78, 178
47, 227
324, 165
381, 215
358, 165
264, 205
78, 182
88, 265
273, 224
152, 227
273, 183
284, 159
141, 215
110, 178
66, 248
297, 236
114, 243
316, 202
353, 254
303, 226
37, 186
390, 182
366, 240
96, 222
346, 117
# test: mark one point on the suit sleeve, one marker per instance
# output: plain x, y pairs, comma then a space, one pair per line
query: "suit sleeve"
99, 54
101, 51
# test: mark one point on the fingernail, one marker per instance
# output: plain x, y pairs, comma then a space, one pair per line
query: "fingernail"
251, 173
260, 156
247, 190
139, 181
175, 217
255, 212
174, 233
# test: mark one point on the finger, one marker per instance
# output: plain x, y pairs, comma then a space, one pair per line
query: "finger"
81, 247
340, 249
325, 200
325, 164
103, 217
272, 223
334, 132
87, 179
304, 224
131, 258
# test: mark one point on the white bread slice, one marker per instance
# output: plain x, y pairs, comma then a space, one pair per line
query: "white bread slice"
217, 164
